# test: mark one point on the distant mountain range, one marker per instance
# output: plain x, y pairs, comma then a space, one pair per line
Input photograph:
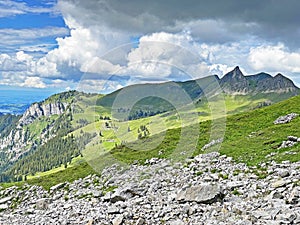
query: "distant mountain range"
234, 83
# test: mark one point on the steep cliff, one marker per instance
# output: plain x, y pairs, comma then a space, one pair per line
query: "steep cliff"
37, 110
34, 127
235, 83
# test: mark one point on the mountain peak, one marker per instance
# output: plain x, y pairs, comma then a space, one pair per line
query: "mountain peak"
237, 68
237, 72
234, 82
279, 75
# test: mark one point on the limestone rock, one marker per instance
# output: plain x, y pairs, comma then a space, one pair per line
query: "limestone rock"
285, 119
204, 193
3, 207
140, 221
5, 200
118, 220
42, 204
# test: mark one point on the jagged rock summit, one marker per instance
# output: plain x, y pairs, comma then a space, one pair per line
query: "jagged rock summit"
37, 110
236, 83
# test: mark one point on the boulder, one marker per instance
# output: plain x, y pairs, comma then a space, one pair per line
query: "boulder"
57, 187
203, 193
3, 207
113, 210
42, 204
279, 183
292, 138
118, 220
140, 221
122, 194
285, 119
294, 196
5, 200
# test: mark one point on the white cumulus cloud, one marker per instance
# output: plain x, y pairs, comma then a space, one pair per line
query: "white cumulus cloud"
275, 58
34, 82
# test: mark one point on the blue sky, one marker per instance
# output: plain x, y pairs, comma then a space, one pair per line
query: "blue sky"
103, 45
27, 16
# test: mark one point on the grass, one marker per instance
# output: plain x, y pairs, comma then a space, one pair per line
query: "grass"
250, 136
156, 124
79, 169
75, 162
70, 174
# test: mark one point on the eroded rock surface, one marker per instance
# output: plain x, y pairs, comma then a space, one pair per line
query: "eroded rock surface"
209, 189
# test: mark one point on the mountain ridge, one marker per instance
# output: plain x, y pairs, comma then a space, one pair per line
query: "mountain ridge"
235, 82
232, 83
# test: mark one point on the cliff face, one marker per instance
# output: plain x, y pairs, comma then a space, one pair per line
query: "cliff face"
280, 84
19, 139
39, 109
235, 83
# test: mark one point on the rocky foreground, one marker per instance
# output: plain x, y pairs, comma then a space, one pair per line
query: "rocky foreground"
209, 189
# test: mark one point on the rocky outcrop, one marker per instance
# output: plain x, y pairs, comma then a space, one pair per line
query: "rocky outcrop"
290, 142
235, 83
19, 140
209, 189
37, 110
212, 143
285, 119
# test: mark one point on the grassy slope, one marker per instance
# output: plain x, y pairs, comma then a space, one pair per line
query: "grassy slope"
77, 169
249, 136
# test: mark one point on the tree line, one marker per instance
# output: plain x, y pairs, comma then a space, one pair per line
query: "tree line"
56, 152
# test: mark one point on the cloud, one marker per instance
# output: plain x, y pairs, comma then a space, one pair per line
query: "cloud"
12, 8
45, 68
27, 65
272, 19
12, 39
41, 48
19, 62
176, 40
34, 82
159, 55
275, 58
103, 86
22, 79
218, 31
83, 50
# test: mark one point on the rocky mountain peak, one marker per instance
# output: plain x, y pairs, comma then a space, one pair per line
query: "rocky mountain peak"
236, 83
279, 75
236, 74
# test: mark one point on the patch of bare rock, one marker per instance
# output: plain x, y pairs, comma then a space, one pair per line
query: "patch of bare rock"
208, 189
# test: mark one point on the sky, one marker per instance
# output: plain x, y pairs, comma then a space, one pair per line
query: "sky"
102, 45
